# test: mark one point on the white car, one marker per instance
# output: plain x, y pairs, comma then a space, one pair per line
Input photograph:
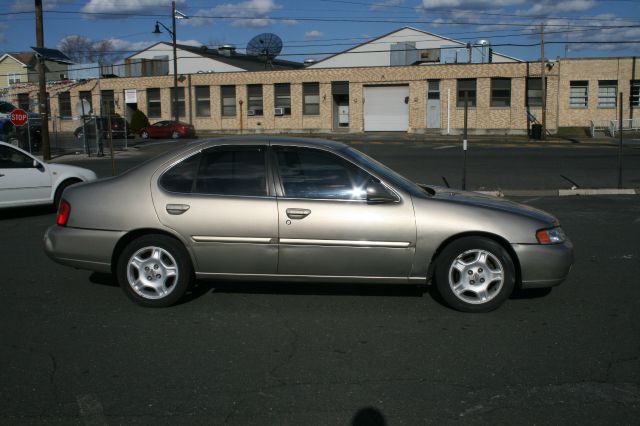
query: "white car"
27, 181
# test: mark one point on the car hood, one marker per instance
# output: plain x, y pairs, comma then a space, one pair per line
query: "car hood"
476, 199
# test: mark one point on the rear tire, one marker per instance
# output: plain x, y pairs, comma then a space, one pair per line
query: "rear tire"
474, 274
154, 270
144, 135
175, 135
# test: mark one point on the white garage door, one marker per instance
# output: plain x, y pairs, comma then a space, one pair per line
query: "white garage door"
386, 109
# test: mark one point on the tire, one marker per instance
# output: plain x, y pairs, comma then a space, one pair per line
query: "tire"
144, 135
474, 274
154, 270
57, 197
175, 135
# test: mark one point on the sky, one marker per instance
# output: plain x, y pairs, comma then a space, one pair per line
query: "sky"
318, 28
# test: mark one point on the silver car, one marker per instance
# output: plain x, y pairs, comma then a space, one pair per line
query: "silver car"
302, 210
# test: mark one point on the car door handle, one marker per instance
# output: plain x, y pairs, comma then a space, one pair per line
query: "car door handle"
298, 213
176, 209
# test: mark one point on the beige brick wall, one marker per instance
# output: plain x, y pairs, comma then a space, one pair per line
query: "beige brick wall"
481, 118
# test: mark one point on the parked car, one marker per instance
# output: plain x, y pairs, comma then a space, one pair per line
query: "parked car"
25, 180
302, 210
168, 129
119, 128
28, 136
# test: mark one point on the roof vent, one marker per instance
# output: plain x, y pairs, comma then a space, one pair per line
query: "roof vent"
227, 49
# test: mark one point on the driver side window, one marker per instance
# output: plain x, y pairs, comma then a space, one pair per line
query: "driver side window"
313, 173
11, 158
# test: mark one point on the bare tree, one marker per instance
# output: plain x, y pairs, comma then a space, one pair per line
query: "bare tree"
83, 50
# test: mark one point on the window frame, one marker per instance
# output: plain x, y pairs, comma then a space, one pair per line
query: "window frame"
282, 97
310, 90
203, 102
64, 105
154, 105
229, 110
501, 96
579, 98
472, 91
255, 99
605, 97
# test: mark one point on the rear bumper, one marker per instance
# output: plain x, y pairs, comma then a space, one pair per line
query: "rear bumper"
544, 265
81, 248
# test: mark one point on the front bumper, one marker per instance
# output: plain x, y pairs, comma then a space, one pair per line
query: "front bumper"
81, 248
544, 265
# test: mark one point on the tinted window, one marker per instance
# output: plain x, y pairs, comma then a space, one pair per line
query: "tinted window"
180, 177
13, 159
311, 173
233, 171
220, 171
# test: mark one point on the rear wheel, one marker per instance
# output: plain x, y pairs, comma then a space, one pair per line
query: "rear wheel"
154, 270
144, 134
474, 274
175, 135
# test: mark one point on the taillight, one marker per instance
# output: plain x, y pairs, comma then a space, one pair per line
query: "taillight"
64, 210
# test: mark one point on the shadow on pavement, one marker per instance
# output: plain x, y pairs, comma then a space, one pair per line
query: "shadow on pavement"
20, 212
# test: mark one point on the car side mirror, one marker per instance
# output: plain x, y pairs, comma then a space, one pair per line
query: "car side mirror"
38, 165
377, 193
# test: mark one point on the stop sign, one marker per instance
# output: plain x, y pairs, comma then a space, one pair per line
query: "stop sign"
19, 117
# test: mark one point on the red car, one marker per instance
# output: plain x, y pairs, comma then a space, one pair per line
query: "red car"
168, 129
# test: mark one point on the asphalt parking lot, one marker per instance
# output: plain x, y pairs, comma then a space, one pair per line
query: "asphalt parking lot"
75, 350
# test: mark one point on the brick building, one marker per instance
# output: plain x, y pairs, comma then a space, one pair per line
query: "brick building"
503, 98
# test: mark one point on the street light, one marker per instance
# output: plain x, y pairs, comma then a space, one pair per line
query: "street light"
175, 14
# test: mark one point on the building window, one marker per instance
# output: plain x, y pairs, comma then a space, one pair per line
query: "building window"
254, 92
64, 105
108, 102
181, 105
154, 106
85, 95
24, 102
635, 93
500, 92
282, 99
578, 94
607, 93
311, 98
203, 102
466, 87
13, 78
228, 99
534, 91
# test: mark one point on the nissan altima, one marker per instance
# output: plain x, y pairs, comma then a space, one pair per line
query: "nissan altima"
302, 210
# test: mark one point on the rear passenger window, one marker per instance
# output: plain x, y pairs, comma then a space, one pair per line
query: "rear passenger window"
220, 171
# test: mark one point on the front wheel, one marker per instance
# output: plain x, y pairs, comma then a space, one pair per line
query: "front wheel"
144, 135
175, 135
154, 270
474, 274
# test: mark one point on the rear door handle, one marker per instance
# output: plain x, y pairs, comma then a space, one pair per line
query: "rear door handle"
298, 213
176, 209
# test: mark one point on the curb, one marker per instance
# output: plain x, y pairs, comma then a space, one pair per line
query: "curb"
560, 192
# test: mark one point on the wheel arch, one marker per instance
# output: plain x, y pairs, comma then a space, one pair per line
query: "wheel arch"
496, 238
63, 184
124, 241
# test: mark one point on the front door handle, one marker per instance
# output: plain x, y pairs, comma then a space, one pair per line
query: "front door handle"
298, 213
176, 209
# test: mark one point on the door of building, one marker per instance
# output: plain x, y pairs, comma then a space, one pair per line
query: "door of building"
433, 104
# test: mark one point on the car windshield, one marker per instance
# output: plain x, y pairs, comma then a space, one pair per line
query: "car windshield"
384, 172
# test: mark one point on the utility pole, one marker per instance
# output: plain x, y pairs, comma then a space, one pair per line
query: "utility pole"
42, 102
544, 84
175, 62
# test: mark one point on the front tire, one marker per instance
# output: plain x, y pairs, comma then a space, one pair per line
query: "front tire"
154, 271
175, 135
474, 274
144, 135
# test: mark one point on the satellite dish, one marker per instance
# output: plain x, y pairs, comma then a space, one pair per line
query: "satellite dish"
265, 46
83, 107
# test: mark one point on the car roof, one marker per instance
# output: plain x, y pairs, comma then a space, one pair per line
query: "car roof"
273, 140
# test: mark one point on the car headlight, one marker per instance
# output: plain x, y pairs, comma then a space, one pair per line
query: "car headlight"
551, 236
